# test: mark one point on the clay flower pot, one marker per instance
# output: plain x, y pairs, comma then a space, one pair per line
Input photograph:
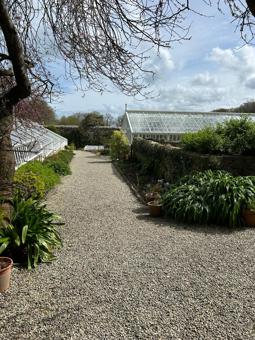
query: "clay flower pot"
155, 208
5, 273
249, 217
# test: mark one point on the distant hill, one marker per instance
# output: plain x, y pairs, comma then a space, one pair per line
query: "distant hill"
248, 107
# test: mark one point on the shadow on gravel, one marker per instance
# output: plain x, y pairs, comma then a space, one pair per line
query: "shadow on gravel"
142, 214
98, 162
117, 174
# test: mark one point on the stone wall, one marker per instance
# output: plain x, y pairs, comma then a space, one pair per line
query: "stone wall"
171, 163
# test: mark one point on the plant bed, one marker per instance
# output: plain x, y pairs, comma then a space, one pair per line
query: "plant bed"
128, 172
145, 188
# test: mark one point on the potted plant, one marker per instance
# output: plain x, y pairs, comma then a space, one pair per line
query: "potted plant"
249, 214
153, 192
6, 264
155, 208
151, 196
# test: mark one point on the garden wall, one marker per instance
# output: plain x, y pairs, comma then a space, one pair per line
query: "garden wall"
95, 135
72, 133
171, 163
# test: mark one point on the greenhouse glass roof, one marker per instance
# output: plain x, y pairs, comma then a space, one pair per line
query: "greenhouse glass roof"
29, 132
162, 122
32, 141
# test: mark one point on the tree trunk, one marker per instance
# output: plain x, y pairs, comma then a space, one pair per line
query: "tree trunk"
251, 6
7, 165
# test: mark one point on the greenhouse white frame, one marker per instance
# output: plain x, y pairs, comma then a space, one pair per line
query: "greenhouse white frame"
170, 126
32, 141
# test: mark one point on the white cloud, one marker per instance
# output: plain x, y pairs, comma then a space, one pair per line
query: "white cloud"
167, 62
241, 62
224, 57
204, 79
161, 65
184, 97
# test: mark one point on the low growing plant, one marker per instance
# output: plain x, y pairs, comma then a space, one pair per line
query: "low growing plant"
60, 162
35, 179
59, 166
31, 237
210, 197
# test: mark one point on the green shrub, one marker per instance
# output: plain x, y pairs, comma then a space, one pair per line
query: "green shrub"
119, 146
31, 237
203, 141
28, 184
35, 179
60, 162
234, 136
239, 135
71, 147
210, 197
63, 155
59, 167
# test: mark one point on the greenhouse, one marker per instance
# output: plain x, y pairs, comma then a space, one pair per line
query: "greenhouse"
169, 126
32, 141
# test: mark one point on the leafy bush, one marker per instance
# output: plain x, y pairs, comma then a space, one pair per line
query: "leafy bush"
234, 136
35, 179
239, 135
71, 147
210, 197
60, 162
59, 167
203, 141
64, 155
119, 146
31, 237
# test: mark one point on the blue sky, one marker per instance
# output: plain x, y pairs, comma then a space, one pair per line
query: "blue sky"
209, 71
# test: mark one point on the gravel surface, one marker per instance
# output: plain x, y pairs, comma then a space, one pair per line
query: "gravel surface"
123, 275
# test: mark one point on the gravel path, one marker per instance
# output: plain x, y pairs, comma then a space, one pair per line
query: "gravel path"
123, 275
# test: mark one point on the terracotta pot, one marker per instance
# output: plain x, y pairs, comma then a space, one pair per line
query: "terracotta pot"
249, 217
155, 209
5, 273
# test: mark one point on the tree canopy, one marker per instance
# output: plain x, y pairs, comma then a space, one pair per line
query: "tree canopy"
99, 41
247, 107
